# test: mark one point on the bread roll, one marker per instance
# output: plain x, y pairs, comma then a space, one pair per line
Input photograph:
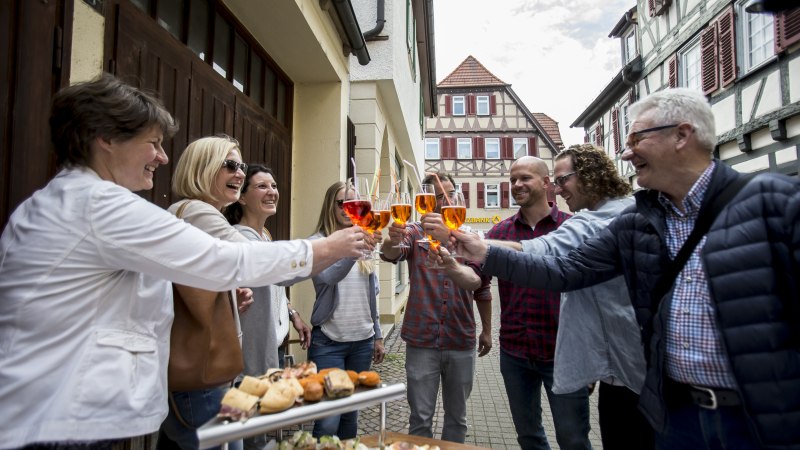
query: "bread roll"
254, 386
369, 378
313, 391
280, 396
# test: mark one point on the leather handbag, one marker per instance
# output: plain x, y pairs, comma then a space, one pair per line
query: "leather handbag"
205, 350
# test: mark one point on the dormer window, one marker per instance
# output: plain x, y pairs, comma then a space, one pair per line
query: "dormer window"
629, 46
459, 106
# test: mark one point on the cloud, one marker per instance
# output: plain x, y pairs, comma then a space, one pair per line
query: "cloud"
556, 54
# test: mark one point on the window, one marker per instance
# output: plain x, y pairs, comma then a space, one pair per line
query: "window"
432, 148
511, 202
758, 37
690, 75
624, 125
492, 148
464, 148
520, 147
492, 196
629, 46
483, 105
458, 105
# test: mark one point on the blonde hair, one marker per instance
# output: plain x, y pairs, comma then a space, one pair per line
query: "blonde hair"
198, 166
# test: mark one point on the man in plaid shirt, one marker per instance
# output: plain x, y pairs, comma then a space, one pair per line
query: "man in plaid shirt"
529, 323
438, 325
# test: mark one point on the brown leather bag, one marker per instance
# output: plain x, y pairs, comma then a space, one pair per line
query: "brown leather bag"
205, 351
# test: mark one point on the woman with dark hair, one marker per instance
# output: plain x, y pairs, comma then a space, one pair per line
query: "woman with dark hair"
265, 325
347, 330
86, 264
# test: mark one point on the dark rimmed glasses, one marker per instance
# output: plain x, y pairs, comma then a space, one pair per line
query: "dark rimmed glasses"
233, 166
635, 137
562, 180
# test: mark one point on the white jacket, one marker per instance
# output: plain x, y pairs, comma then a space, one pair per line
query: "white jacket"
85, 308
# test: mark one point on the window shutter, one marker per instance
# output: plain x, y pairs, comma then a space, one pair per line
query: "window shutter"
632, 96
506, 148
672, 65
787, 29
481, 199
465, 191
651, 7
504, 194
478, 148
598, 137
586, 138
533, 146
448, 147
492, 105
727, 48
471, 105
708, 59
615, 128
448, 105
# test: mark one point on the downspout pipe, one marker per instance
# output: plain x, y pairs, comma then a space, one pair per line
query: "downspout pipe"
344, 9
379, 21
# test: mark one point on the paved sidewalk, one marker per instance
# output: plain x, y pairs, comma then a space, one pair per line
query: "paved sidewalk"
488, 415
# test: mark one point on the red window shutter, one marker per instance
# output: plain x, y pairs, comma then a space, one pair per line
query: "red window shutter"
481, 199
727, 48
471, 105
651, 7
448, 145
708, 58
478, 148
448, 105
492, 105
598, 137
787, 29
504, 203
465, 191
506, 148
615, 128
672, 66
533, 146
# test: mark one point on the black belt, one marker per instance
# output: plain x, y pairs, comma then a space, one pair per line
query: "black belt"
706, 397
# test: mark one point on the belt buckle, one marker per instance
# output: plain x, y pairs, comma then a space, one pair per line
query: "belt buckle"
711, 394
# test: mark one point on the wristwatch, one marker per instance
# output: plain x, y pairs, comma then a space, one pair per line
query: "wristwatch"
292, 312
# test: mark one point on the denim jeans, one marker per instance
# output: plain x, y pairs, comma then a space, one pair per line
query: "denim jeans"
424, 368
194, 408
326, 353
523, 379
690, 427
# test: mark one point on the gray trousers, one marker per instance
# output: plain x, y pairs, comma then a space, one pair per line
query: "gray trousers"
424, 368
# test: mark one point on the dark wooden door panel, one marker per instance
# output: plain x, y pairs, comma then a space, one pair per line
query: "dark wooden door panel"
211, 103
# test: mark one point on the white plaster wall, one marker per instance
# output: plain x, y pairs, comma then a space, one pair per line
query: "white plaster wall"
771, 96
786, 155
725, 114
753, 165
728, 150
748, 100
794, 79
86, 62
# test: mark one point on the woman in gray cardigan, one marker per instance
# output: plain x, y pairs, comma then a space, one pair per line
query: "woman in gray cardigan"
346, 325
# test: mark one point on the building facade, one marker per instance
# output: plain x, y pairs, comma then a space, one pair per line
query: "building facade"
482, 127
747, 64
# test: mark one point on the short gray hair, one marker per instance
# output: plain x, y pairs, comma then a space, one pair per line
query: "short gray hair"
680, 105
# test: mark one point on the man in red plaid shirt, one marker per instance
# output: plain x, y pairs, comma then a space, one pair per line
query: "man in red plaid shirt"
529, 323
439, 325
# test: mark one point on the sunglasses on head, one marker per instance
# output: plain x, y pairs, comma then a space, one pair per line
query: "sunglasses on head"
233, 166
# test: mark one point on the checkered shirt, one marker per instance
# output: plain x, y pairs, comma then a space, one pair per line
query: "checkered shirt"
694, 351
438, 312
528, 317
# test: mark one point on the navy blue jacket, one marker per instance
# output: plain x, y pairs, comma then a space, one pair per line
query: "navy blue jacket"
752, 259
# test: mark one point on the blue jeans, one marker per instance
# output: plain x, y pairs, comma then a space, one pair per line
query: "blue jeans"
356, 355
523, 379
188, 411
690, 427
424, 368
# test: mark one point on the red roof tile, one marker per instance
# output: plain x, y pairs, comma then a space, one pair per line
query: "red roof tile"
550, 127
471, 73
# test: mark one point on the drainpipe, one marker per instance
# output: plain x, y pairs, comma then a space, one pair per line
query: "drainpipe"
370, 34
344, 9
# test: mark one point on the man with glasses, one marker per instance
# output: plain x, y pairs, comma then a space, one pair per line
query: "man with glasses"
529, 323
722, 343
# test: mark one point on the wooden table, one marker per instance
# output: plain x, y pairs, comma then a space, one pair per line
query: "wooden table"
372, 441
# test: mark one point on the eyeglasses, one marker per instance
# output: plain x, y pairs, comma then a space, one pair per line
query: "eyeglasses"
562, 180
339, 203
233, 166
635, 137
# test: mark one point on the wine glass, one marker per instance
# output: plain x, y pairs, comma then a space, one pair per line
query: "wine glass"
425, 202
401, 210
357, 205
380, 216
454, 213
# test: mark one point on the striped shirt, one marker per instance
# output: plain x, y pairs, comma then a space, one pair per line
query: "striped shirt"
351, 321
528, 317
438, 312
693, 347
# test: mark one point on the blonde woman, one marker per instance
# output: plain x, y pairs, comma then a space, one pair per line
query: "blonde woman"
346, 325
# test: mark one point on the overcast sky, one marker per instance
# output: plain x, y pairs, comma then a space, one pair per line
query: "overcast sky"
556, 54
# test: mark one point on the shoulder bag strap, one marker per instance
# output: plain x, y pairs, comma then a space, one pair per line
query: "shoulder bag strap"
701, 227
179, 212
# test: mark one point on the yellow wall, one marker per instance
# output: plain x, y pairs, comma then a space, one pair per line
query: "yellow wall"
87, 44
